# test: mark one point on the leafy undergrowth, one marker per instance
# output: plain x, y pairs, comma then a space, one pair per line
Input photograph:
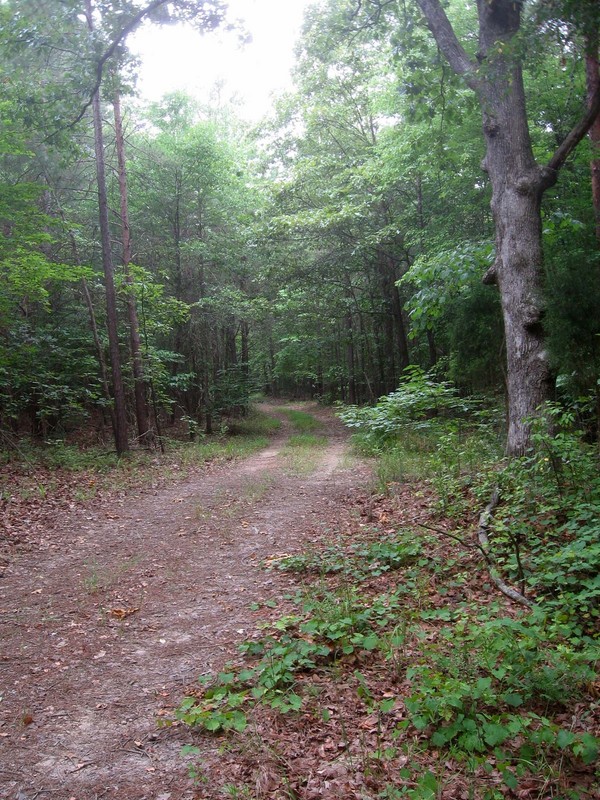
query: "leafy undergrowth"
397, 671
39, 482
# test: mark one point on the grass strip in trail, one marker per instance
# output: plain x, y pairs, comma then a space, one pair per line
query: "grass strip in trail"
397, 670
302, 422
303, 452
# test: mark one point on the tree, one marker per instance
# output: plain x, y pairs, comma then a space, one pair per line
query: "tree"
139, 383
592, 60
120, 415
518, 184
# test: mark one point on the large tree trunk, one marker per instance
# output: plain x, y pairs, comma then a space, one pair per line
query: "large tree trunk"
518, 183
516, 207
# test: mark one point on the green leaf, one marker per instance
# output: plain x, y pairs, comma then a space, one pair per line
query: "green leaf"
370, 642
387, 705
295, 701
189, 750
440, 738
494, 734
509, 779
239, 721
565, 738
214, 722
588, 748
513, 699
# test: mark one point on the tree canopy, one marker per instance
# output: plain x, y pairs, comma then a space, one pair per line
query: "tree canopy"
356, 231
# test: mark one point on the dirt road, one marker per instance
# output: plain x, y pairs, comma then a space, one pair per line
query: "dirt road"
102, 631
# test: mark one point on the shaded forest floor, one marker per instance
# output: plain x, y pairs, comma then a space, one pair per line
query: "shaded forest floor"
111, 609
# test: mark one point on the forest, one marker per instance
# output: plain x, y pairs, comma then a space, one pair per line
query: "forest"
396, 273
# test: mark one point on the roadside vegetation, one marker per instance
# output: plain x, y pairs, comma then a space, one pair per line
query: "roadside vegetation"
397, 668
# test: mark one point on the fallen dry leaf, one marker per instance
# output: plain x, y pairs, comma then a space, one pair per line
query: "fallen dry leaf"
121, 613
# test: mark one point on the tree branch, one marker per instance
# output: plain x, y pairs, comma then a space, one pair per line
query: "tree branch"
570, 142
484, 546
110, 51
443, 33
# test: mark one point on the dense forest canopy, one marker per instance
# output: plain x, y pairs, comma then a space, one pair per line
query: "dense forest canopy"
164, 261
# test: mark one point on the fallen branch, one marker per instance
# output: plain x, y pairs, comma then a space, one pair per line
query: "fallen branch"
484, 546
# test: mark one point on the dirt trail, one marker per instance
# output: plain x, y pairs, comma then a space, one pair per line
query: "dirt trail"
84, 676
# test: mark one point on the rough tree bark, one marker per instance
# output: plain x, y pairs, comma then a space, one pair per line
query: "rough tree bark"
518, 183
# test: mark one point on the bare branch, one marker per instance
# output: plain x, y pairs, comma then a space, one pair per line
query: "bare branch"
570, 142
484, 546
443, 33
120, 37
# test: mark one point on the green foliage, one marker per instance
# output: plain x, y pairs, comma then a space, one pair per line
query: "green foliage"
358, 561
48, 372
439, 278
450, 300
330, 625
573, 296
416, 404
425, 430
482, 683
546, 531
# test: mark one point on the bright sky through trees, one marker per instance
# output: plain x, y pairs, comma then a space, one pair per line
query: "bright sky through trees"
179, 58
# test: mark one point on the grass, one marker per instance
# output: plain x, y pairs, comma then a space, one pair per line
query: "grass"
257, 423
302, 453
218, 448
253, 490
428, 455
302, 421
98, 577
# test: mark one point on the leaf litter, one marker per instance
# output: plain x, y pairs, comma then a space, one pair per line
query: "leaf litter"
108, 626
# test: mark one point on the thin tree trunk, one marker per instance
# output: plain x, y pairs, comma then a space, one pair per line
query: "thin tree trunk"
352, 398
592, 70
139, 383
99, 350
120, 430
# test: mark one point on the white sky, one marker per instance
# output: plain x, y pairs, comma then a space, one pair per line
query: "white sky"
180, 58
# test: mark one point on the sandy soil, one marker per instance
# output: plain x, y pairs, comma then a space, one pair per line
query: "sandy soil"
123, 606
